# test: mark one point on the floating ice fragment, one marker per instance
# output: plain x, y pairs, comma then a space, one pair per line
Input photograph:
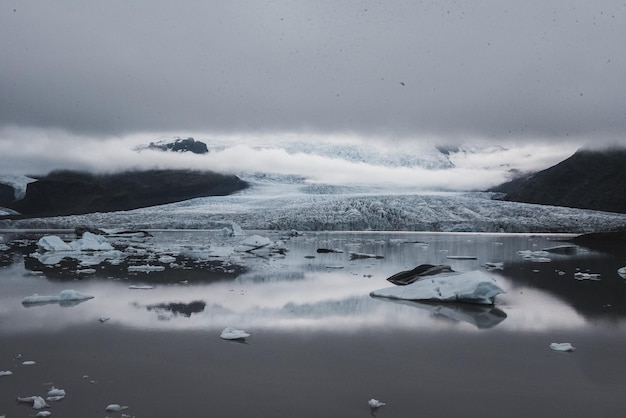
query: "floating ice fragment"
37, 401
53, 243
253, 242
490, 265
230, 333
375, 403
28, 363
5, 372
586, 276
54, 392
461, 257
146, 268
43, 414
473, 286
115, 407
166, 259
566, 347
140, 287
69, 295
622, 272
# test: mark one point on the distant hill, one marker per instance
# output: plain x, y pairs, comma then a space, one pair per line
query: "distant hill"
73, 193
589, 179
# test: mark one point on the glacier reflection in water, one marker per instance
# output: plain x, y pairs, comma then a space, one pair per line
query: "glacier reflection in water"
307, 290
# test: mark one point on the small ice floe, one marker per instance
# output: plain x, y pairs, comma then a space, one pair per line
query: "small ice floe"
490, 265
85, 271
622, 272
375, 403
166, 259
535, 256
65, 297
140, 287
115, 407
55, 394
230, 333
43, 414
5, 373
473, 286
565, 347
252, 243
586, 276
37, 401
146, 268
28, 363
461, 257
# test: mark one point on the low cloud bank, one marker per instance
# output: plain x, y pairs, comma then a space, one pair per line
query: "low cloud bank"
34, 152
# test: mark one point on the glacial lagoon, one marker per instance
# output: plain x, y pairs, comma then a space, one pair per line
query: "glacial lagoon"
319, 344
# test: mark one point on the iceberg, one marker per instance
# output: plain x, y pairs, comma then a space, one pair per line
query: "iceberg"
53, 243
233, 334
622, 272
43, 414
6, 372
473, 286
64, 298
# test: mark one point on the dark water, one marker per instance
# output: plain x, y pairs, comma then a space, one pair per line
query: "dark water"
320, 345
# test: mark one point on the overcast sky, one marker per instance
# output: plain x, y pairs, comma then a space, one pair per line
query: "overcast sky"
510, 72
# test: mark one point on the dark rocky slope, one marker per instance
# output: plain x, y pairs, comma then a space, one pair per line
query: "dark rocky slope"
589, 179
73, 193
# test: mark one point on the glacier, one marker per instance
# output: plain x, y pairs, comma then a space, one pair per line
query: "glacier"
274, 204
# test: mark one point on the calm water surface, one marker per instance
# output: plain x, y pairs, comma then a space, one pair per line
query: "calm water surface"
319, 345
307, 290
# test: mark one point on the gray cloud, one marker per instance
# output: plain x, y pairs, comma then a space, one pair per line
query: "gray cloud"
452, 70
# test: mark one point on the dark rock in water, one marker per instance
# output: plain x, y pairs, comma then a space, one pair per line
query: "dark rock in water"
181, 145
589, 179
74, 193
423, 270
328, 251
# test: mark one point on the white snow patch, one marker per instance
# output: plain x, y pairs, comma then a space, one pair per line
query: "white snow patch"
473, 286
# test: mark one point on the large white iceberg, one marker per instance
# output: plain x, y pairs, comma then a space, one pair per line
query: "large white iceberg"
473, 286
63, 296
